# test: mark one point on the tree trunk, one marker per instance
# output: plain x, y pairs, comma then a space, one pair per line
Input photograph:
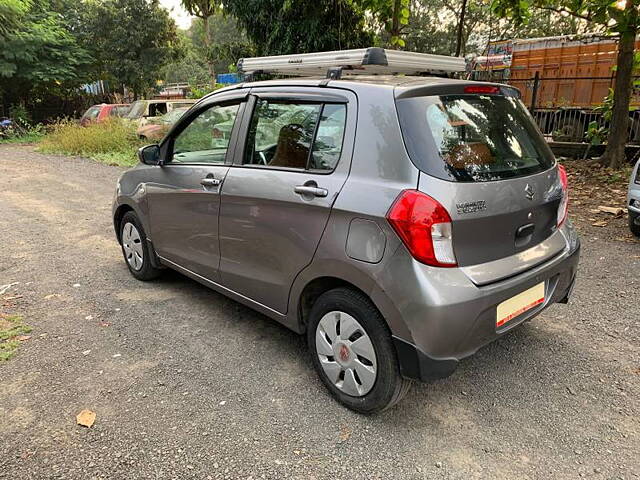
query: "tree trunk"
395, 19
460, 35
614, 156
209, 54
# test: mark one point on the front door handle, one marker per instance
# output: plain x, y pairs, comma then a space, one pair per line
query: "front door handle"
311, 191
210, 182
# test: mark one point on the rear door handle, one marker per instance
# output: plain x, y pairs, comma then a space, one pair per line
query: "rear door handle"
210, 182
310, 191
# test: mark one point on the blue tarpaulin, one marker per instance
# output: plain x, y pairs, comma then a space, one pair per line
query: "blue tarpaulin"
228, 78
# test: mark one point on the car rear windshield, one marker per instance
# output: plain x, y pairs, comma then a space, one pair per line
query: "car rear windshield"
472, 138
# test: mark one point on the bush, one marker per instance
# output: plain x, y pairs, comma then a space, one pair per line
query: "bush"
19, 133
113, 142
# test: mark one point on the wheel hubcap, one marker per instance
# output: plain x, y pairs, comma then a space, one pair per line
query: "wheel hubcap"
132, 245
346, 353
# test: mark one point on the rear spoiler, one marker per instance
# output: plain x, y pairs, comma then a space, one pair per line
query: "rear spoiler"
456, 87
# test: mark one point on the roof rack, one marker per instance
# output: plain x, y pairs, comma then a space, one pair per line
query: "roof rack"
369, 61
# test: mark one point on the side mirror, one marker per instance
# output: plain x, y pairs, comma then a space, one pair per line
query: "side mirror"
150, 155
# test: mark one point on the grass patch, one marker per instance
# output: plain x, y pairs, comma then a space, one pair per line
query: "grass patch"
29, 137
11, 327
113, 142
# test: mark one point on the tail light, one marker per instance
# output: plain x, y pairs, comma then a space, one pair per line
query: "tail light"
424, 226
482, 89
564, 203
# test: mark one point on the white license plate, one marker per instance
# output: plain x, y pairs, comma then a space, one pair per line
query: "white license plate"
515, 306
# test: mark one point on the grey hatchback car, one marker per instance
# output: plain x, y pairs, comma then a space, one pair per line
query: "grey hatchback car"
633, 200
400, 223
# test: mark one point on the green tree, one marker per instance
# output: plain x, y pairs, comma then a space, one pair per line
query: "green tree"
391, 16
283, 26
39, 55
231, 42
204, 10
11, 12
130, 41
190, 66
620, 18
433, 26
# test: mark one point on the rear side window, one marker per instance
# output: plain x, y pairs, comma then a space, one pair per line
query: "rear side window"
157, 109
305, 136
119, 111
472, 138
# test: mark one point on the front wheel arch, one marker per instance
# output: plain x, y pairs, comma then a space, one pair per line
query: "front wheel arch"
117, 218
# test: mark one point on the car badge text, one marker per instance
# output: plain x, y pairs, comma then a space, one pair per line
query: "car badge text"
471, 207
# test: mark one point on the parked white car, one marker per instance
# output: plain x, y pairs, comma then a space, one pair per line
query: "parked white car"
141, 110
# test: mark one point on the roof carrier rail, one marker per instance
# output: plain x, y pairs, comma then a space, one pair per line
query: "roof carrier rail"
369, 61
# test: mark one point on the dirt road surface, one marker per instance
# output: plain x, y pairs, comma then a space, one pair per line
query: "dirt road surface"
188, 384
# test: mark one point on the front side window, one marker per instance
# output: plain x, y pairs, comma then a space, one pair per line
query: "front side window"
305, 136
206, 138
475, 137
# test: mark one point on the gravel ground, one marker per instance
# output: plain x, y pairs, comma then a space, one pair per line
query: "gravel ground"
189, 384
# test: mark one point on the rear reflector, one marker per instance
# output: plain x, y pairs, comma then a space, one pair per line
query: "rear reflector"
481, 89
424, 226
564, 202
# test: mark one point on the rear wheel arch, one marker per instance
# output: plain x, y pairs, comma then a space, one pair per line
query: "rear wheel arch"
315, 287
320, 277
312, 291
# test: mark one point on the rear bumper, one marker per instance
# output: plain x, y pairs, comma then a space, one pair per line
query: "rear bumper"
633, 199
453, 324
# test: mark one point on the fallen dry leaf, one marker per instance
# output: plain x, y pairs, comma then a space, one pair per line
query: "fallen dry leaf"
345, 433
51, 295
600, 223
615, 211
86, 418
23, 338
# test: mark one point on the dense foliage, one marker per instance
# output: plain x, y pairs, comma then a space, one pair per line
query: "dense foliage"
129, 40
285, 26
50, 48
37, 53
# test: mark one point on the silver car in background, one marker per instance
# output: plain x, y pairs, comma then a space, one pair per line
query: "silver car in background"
400, 223
633, 200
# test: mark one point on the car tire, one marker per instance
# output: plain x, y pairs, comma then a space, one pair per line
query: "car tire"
340, 349
135, 248
634, 223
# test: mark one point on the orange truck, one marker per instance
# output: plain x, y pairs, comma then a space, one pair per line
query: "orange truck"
562, 79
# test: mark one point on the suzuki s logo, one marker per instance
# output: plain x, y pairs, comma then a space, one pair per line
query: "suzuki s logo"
529, 192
